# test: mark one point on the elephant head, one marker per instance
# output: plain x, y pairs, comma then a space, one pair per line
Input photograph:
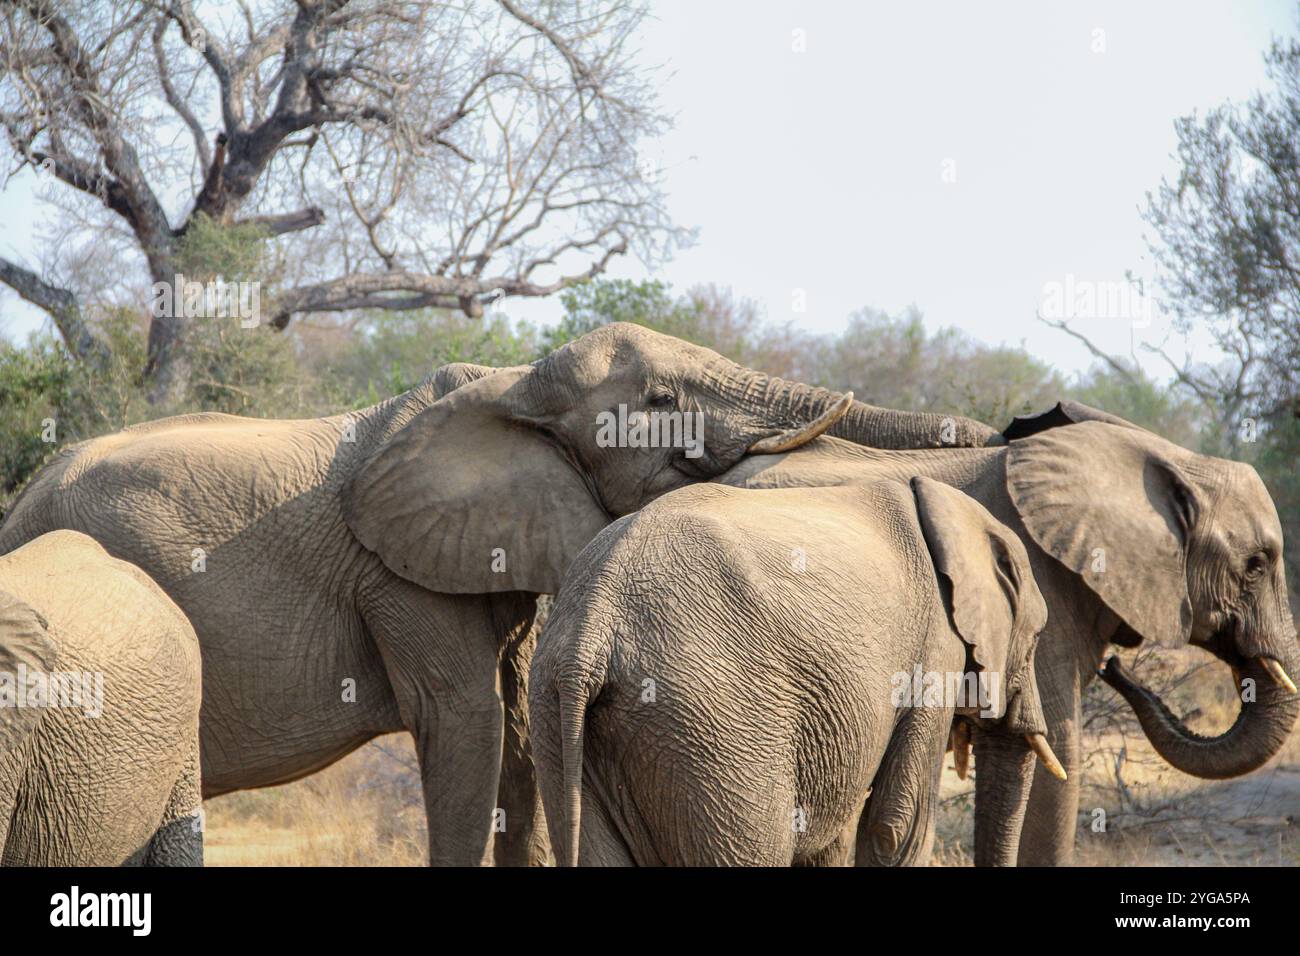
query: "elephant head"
499, 483
996, 608
1181, 547
861, 424
24, 641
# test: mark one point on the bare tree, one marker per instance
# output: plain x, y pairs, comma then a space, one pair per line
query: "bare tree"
396, 154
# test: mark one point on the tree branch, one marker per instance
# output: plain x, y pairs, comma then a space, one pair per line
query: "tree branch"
79, 176
1110, 360
277, 224
147, 218
581, 75
174, 99
375, 291
62, 307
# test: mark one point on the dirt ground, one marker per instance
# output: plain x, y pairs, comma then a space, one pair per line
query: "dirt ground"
1174, 820
1136, 810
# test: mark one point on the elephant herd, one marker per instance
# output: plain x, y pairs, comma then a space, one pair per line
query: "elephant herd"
761, 646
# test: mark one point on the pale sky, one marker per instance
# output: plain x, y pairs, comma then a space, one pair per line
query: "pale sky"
823, 170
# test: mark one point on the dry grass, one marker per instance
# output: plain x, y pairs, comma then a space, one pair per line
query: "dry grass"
365, 810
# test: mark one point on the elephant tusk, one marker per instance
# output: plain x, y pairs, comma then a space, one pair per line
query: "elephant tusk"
1038, 744
794, 437
960, 739
1278, 673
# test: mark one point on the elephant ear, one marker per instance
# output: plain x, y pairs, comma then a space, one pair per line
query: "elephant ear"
1067, 412
1113, 505
992, 598
447, 378
469, 498
24, 640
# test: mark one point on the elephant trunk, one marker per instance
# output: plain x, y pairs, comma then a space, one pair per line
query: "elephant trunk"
887, 428
795, 404
1260, 730
1004, 772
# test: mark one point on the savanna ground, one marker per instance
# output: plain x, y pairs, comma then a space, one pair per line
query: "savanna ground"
1136, 810
366, 810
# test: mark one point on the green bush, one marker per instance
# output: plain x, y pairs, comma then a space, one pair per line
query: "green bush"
393, 351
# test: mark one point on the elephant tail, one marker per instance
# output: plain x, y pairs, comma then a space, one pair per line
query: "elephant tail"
579, 686
573, 712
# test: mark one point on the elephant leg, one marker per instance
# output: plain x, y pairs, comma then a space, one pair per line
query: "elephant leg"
520, 838
600, 843
897, 826
459, 752
179, 840
10, 771
442, 654
839, 852
179, 843
1047, 838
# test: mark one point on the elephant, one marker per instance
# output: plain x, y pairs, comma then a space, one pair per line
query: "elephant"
99, 712
1132, 539
377, 571
727, 678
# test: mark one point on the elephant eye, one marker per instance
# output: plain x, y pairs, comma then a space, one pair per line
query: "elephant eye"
1255, 566
662, 399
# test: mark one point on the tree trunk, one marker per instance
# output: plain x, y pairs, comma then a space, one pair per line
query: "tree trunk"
167, 368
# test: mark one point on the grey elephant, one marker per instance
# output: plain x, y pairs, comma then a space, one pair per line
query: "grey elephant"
377, 571
1131, 539
99, 712
738, 677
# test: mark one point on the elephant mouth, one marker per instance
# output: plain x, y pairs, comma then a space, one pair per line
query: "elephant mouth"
701, 469
774, 442
1223, 644
1117, 676
959, 741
